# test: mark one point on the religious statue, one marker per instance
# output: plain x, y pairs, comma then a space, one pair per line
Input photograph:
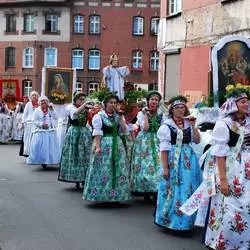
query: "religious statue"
114, 76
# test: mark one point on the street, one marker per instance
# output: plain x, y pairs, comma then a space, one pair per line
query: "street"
39, 213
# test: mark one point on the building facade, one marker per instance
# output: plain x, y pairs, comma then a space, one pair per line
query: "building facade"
81, 35
188, 30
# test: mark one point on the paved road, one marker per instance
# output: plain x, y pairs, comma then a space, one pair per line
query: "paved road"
39, 213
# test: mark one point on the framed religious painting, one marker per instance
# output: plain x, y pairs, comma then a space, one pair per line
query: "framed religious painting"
58, 84
230, 62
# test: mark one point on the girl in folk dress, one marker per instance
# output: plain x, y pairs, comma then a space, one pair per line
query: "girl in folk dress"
4, 128
229, 215
77, 146
27, 121
108, 175
17, 128
145, 162
180, 169
44, 147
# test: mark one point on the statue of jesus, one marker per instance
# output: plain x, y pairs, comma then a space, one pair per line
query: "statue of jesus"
114, 76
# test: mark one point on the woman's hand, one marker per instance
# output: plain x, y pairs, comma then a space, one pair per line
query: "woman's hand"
224, 187
166, 174
145, 110
98, 150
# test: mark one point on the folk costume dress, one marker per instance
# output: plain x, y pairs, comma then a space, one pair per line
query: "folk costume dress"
4, 124
145, 164
77, 147
229, 217
17, 129
28, 125
108, 175
44, 147
185, 176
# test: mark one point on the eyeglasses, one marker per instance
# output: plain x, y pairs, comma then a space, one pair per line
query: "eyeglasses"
179, 107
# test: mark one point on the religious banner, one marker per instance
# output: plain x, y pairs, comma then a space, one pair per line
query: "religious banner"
58, 84
10, 91
230, 62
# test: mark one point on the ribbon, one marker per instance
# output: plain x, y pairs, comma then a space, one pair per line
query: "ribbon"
114, 154
207, 187
177, 153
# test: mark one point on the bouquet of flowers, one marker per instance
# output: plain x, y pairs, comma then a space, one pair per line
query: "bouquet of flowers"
237, 89
58, 97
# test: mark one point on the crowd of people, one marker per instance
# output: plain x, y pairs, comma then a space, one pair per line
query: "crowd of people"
100, 153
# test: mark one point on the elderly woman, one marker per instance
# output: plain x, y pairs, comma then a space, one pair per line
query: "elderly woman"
27, 121
145, 162
180, 169
228, 163
77, 145
44, 147
108, 175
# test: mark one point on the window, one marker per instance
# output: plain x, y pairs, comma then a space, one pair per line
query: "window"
78, 87
94, 24
174, 6
138, 26
28, 25
94, 59
11, 23
93, 86
154, 26
28, 57
137, 60
27, 87
78, 24
50, 57
51, 23
77, 58
10, 57
154, 61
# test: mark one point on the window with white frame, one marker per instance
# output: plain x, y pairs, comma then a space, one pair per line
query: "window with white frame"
154, 25
51, 23
174, 6
154, 61
93, 87
78, 87
10, 57
27, 87
50, 57
77, 58
94, 59
11, 23
78, 24
28, 24
138, 25
137, 60
28, 55
94, 24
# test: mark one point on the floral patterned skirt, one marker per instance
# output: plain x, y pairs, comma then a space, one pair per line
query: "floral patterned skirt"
5, 127
145, 164
173, 193
17, 130
103, 182
75, 155
229, 217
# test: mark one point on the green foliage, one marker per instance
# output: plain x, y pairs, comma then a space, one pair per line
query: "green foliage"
133, 95
100, 94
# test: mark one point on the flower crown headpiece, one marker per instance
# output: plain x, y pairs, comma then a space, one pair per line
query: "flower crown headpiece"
237, 90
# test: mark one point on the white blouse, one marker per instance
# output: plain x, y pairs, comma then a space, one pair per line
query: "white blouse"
164, 134
28, 113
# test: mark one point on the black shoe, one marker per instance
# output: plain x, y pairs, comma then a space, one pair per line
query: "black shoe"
44, 166
77, 185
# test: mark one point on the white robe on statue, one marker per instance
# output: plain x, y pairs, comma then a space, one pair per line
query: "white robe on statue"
44, 147
115, 79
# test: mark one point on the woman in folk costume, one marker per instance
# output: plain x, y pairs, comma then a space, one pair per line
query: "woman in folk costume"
108, 175
44, 149
27, 121
145, 163
180, 168
227, 175
17, 128
4, 128
77, 145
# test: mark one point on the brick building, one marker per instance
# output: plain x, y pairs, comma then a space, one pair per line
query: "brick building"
78, 34
188, 30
